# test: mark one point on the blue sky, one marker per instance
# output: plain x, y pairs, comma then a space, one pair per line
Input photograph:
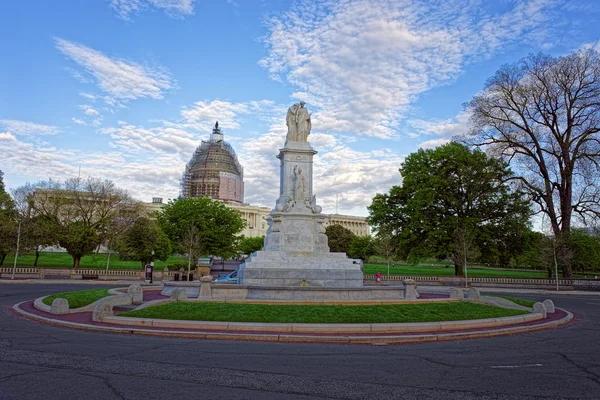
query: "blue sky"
126, 89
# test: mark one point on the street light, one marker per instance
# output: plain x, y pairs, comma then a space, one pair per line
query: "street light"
17, 252
152, 267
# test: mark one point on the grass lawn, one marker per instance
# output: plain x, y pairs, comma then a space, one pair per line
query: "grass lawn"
521, 302
79, 298
64, 260
441, 271
334, 314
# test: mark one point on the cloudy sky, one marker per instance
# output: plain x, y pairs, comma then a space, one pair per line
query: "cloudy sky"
126, 89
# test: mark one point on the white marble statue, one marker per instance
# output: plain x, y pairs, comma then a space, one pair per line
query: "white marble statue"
290, 121
298, 123
303, 123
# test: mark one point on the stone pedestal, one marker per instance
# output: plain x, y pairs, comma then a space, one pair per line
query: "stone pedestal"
296, 252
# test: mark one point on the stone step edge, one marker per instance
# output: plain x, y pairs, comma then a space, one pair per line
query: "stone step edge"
273, 327
363, 339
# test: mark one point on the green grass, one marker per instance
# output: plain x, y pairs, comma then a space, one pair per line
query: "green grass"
333, 314
64, 260
521, 302
441, 271
79, 298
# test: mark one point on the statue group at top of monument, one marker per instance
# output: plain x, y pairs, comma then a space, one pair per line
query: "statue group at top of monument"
298, 123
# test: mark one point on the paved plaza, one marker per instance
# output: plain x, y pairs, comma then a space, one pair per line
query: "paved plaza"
44, 362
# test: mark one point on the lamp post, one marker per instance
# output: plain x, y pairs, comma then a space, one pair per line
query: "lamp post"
17, 252
152, 267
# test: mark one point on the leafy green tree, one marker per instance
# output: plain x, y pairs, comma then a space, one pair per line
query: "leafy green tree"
77, 238
445, 191
362, 247
247, 246
143, 238
8, 222
585, 250
534, 245
541, 115
217, 226
339, 238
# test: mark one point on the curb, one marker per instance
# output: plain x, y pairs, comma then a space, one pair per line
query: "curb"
300, 337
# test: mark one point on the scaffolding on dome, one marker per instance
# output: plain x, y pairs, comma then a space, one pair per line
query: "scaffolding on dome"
214, 171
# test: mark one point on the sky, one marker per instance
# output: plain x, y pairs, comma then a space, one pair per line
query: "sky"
125, 90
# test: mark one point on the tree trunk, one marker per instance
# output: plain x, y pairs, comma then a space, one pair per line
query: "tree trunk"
76, 261
37, 256
458, 269
2, 257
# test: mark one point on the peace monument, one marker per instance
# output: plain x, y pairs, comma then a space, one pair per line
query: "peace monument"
295, 251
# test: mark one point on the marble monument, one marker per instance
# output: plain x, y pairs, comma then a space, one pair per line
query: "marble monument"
295, 252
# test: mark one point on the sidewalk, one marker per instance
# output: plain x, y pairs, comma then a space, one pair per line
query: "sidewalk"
442, 289
421, 287
75, 282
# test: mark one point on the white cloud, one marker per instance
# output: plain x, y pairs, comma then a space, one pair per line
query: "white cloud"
89, 96
120, 79
28, 128
362, 63
173, 8
166, 140
89, 110
79, 121
448, 127
432, 144
7, 136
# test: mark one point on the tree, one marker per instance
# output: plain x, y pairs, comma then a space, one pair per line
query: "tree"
217, 226
80, 212
385, 246
445, 191
339, 238
532, 255
35, 231
542, 115
585, 250
8, 224
362, 247
247, 246
144, 241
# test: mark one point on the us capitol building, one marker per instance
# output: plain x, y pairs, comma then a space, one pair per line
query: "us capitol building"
214, 171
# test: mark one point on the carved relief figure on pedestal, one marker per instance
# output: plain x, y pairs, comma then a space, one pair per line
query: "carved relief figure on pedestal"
299, 185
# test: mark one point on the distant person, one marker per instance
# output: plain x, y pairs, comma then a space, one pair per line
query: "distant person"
378, 277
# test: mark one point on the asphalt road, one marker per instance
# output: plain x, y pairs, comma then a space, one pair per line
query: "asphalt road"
45, 362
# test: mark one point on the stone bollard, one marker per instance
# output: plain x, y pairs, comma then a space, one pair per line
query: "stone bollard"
137, 293
179, 294
539, 308
457, 294
105, 307
205, 287
549, 306
59, 306
102, 311
474, 294
410, 289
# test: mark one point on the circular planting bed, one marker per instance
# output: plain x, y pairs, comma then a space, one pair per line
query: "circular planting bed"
145, 311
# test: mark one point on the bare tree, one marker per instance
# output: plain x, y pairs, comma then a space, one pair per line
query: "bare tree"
542, 115
83, 213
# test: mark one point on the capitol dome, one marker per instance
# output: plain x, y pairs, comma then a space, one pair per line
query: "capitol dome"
214, 171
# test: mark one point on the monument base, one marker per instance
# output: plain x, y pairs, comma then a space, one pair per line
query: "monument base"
278, 268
